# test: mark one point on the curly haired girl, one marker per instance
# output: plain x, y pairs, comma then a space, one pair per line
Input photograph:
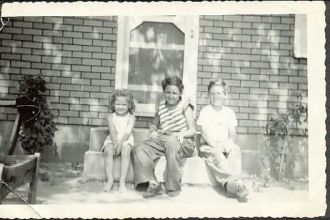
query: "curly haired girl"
120, 141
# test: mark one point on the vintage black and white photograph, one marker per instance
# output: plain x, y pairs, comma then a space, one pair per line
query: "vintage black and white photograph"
162, 110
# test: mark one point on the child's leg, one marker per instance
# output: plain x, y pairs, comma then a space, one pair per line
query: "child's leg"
125, 160
235, 186
216, 163
234, 161
172, 176
108, 164
144, 156
238, 189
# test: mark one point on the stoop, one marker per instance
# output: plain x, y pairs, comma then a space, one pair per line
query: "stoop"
194, 171
94, 158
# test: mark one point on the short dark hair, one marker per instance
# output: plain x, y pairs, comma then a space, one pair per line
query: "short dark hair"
218, 82
122, 93
174, 81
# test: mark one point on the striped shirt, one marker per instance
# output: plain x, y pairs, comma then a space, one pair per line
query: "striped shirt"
172, 120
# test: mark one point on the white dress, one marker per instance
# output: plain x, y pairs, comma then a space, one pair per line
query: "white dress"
120, 124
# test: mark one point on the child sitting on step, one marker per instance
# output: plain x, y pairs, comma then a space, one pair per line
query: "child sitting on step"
222, 156
171, 135
120, 141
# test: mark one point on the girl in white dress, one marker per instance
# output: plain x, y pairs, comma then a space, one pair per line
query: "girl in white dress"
120, 141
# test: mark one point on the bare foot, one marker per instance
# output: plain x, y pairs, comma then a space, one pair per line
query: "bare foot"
122, 188
108, 186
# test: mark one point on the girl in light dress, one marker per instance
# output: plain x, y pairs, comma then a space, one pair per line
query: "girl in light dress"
120, 140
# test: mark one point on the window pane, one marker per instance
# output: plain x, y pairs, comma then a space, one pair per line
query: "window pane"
146, 96
150, 66
156, 51
154, 32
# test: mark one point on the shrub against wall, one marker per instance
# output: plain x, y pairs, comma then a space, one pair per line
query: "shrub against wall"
37, 132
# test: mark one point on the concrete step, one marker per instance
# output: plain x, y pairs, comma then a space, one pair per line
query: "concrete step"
194, 171
94, 167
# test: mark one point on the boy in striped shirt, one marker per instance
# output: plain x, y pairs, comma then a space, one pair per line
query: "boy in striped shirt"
171, 135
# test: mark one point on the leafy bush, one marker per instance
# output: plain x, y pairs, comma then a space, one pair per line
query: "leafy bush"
279, 150
40, 134
299, 116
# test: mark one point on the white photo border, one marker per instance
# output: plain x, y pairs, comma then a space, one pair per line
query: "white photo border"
315, 205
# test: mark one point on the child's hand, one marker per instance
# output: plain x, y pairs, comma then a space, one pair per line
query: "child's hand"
228, 145
153, 135
118, 149
227, 150
220, 148
223, 149
208, 150
115, 146
180, 138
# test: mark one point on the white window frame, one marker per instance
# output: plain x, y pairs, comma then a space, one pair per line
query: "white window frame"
188, 25
300, 36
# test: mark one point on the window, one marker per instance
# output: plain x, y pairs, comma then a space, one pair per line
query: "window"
151, 48
300, 36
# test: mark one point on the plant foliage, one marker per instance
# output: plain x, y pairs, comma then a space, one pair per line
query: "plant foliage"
280, 151
41, 133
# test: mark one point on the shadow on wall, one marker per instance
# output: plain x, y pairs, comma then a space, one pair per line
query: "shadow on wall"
5, 132
69, 53
259, 65
72, 142
6, 85
75, 57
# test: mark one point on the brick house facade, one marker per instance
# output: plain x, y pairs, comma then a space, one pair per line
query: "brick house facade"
77, 58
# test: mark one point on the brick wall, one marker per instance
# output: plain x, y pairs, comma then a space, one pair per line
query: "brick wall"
76, 56
254, 54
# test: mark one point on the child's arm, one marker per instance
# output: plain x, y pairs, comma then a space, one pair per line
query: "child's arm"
153, 134
205, 125
112, 131
127, 133
130, 127
232, 132
216, 145
231, 137
188, 114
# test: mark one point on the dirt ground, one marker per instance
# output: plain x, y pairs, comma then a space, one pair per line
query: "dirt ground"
63, 184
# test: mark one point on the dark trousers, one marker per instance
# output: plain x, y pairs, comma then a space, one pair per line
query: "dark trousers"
146, 154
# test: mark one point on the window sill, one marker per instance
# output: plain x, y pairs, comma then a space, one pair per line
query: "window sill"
144, 114
145, 110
